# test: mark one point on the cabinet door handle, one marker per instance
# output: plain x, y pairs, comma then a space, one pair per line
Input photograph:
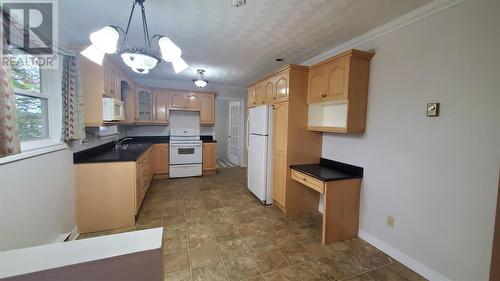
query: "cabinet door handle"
304, 179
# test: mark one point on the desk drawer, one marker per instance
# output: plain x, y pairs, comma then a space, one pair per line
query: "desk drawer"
309, 181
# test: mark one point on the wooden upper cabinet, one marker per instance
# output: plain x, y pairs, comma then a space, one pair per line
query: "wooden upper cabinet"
144, 105
161, 106
177, 100
192, 102
269, 91
337, 79
127, 93
338, 87
260, 95
112, 80
281, 86
318, 84
184, 101
251, 97
207, 109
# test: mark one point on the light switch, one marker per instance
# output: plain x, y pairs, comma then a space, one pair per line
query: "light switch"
433, 109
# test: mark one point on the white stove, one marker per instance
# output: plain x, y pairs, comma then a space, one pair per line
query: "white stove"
185, 153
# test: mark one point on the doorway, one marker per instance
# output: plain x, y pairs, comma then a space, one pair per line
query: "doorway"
229, 131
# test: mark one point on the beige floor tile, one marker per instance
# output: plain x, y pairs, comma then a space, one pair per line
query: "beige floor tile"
295, 254
233, 248
259, 242
249, 229
394, 272
224, 232
213, 272
270, 260
285, 274
172, 246
312, 271
176, 262
183, 275
241, 268
204, 255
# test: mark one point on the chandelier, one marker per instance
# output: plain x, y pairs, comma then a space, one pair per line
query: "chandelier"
139, 59
200, 81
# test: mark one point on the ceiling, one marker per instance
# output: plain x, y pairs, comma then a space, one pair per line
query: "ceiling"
235, 45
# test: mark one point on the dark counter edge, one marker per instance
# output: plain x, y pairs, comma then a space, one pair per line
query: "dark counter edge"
354, 172
81, 156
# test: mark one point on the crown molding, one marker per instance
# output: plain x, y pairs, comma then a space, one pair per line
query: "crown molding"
416, 15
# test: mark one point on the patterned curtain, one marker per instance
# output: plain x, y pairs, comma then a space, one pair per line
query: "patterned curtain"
9, 129
73, 127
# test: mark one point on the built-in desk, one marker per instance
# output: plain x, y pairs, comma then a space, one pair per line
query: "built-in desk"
340, 185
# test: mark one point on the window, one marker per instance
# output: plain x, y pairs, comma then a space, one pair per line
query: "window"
38, 105
31, 104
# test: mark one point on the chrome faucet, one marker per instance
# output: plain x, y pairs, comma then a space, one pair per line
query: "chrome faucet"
118, 143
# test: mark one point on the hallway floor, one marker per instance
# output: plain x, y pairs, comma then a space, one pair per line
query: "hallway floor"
216, 230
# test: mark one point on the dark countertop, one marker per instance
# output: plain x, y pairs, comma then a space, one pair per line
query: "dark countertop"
107, 153
329, 170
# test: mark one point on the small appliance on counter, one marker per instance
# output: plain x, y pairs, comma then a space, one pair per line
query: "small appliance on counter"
112, 109
185, 153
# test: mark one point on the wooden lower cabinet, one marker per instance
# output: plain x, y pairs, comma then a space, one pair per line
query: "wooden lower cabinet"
145, 170
209, 158
109, 195
161, 158
279, 178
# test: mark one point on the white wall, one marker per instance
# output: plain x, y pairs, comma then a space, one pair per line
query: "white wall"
221, 127
36, 200
437, 176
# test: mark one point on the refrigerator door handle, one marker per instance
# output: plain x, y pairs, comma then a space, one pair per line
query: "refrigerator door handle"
248, 131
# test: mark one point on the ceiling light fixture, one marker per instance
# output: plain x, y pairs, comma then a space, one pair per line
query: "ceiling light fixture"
238, 3
139, 59
200, 81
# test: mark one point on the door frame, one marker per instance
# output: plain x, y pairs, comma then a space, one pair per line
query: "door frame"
495, 255
238, 104
242, 125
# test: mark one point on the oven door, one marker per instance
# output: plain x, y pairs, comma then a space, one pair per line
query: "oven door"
181, 154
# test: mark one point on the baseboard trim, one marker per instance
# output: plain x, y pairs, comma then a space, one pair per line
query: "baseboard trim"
403, 258
73, 234
423, 12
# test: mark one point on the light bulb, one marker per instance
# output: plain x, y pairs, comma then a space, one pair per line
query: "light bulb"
179, 65
94, 54
105, 39
169, 51
200, 83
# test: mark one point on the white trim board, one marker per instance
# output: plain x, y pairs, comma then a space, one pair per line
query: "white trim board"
423, 12
403, 258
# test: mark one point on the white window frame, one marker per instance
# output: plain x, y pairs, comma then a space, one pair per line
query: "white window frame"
51, 89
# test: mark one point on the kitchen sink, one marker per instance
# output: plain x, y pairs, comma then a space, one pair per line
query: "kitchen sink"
132, 146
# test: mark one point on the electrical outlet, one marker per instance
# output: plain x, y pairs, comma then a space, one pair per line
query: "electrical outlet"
390, 221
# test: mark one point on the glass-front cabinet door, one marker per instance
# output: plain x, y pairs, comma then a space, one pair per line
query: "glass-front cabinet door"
144, 105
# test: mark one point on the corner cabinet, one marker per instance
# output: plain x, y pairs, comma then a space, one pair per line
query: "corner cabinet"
338, 92
144, 105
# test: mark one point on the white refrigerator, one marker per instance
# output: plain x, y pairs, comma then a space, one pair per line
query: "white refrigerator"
259, 142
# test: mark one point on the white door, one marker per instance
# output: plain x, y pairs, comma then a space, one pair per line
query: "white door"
233, 153
257, 166
259, 120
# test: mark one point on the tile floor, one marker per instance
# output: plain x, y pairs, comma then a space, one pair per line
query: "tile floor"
216, 230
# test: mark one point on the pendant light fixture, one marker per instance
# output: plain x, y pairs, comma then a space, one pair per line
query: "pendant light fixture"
200, 81
139, 59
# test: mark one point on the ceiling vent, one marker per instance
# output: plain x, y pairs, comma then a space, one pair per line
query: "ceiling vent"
238, 3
